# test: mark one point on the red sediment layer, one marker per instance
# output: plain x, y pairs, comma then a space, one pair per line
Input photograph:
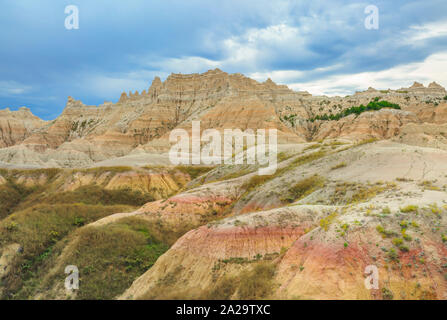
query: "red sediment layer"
244, 242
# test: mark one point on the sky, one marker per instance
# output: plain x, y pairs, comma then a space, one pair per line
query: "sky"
320, 46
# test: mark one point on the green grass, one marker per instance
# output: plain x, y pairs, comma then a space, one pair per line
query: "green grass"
372, 106
282, 156
312, 146
223, 290
257, 283
99, 170
256, 181
111, 257
93, 194
41, 220
327, 221
37, 230
339, 166
50, 173
366, 141
11, 195
307, 158
194, 171
364, 193
251, 284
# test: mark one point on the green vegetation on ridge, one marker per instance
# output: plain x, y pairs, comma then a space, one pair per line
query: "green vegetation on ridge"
372, 106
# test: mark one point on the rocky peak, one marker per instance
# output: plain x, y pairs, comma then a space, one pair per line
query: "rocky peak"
417, 85
156, 82
72, 103
155, 87
15, 126
22, 113
269, 83
123, 97
435, 85
432, 89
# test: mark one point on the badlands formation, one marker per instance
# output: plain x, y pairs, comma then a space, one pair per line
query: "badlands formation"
94, 188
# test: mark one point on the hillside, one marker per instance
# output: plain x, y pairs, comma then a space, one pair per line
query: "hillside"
94, 188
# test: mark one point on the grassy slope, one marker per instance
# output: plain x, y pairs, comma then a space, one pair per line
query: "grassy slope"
109, 259
44, 222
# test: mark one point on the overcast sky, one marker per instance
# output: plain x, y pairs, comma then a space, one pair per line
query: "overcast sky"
320, 46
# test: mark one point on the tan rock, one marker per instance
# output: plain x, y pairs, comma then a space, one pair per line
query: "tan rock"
16, 126
140, 123
382, 124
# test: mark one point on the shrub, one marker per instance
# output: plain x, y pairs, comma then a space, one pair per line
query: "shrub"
392, 254
12, 226
385, 233
397, 242
364, 193
406, 236
326, 222
409, 208
303, 188
291, 118
387, 294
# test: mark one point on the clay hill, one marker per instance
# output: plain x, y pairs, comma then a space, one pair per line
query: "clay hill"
361, 181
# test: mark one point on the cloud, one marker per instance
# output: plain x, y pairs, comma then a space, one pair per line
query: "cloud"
431, 69
428, 31
318, 45
11, 88
165, 66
